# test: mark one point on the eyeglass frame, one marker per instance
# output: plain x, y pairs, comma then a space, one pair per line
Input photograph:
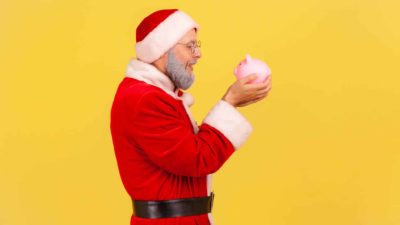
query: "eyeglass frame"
193, 45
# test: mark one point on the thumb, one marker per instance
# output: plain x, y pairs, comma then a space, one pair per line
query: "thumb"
249, 78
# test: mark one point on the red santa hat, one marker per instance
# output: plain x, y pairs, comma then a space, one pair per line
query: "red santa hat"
160, 31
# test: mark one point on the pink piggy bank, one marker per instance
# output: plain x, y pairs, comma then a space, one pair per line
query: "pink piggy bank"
249, 66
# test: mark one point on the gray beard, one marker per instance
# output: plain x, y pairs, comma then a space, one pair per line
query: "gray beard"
177, 72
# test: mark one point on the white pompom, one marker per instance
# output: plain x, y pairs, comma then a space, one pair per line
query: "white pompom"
187, 99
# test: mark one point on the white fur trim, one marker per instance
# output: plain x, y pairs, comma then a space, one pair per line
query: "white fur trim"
151, 75
209, 184
209, 187
188, 99
230, 122
210, 218
164, 36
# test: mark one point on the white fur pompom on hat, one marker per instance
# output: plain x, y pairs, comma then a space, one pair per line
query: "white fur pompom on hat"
160, 31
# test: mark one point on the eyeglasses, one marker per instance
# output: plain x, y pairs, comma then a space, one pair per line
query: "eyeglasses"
193, 45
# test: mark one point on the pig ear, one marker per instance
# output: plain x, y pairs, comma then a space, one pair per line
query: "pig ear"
248, 58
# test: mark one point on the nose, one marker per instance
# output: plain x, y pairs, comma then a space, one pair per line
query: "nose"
197, 53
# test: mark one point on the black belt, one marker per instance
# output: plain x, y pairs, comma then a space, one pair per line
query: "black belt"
173, 208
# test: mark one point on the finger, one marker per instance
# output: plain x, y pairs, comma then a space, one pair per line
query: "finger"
250, 102
248, 78
260, 85
262, 92
264, 86
266, 91
269, 87
257, 86
268, 79
253, 99
262, 95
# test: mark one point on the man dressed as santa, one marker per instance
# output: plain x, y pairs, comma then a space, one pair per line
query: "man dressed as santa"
164, 158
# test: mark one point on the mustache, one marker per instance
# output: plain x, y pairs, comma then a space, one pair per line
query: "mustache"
191, 63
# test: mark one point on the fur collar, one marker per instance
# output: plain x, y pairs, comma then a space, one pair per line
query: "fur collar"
149, 74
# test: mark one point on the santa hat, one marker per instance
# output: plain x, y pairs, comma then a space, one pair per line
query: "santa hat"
160, 31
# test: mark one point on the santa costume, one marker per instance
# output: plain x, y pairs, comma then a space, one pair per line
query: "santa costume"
162, 154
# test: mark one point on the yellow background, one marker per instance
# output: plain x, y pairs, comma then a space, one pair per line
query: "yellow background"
325, 150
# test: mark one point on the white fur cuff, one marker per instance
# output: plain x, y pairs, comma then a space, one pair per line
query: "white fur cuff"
229, 122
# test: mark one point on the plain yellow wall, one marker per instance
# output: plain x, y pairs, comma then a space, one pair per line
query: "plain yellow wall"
325, 150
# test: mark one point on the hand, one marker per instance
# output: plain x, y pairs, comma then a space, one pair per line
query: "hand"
242, 93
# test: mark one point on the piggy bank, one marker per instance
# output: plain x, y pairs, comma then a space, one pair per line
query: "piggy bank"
249, 66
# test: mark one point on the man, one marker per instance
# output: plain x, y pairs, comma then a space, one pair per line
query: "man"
165, 160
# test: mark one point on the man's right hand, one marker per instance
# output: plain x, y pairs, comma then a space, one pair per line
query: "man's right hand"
242, 93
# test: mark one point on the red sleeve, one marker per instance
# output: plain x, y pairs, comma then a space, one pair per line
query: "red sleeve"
159, 130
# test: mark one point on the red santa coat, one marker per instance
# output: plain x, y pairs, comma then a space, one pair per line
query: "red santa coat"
161, 152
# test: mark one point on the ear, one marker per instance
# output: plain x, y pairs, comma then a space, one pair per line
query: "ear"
248, 58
